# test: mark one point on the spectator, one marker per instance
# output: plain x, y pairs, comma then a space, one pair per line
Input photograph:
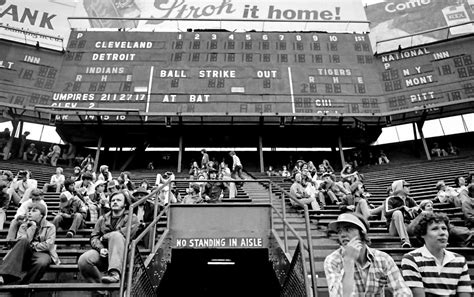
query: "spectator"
355, 269
150, 166
297, 191
466, 196
194, 170
165, 196
23, 143
327, 166
21, 187
358, 202
43, 158
213, 190
271, 171
99, 200
383, 158
236, 165
87, 161
56, 182
76, 174
284, 172
88, 170
112, 187
193, 195
31, 153
227, 176
331, 190
400, 210
104, 173
4, 137
349, 176
145, 211
34, 250
125, 181
204, 159
457, 234
311, 168
85, 186
145, 184
436, 151
72, 211
4, 201
432, 270
460, 183
108, 243
55, 154
452, 150
20, 217
447, 194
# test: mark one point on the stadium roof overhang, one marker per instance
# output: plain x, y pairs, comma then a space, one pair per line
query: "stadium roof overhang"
163, 130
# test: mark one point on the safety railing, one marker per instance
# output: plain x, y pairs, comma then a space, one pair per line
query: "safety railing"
287, 226
131, 245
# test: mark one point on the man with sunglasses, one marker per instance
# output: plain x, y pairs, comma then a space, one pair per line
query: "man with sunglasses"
355, 269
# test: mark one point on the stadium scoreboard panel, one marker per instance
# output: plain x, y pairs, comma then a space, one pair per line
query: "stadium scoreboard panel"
27, 75
422, 76
218, 73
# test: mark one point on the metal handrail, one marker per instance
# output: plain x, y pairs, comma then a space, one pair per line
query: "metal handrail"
129, 229
151, 227
309, 245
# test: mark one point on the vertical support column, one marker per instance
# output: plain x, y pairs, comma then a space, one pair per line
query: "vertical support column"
423, 140
260, 153
22, 143
97, 154
341, 152
415, 140
8, 146
180, 153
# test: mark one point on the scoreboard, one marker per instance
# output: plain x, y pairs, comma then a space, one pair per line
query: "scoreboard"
422, 76
218, 73
27, 74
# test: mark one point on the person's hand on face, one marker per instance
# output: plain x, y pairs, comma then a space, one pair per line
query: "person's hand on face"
352, 250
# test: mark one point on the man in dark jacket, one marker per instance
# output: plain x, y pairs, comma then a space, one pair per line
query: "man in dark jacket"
108, 243
72, 211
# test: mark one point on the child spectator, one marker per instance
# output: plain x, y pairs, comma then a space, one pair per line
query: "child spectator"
72, 211
56, 182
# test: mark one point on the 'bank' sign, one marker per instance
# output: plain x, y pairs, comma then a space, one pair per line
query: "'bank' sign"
212, 243
31, 21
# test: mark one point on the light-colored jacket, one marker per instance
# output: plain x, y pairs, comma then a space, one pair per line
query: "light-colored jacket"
44, 242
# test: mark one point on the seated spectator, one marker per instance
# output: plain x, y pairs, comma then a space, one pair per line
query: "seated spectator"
349, 176
85, 186
466, 196
383, 158
447, 194
331, 190
31, 153
54, 155
6, 178
460, 183
43, 158
20, 217
56, 182
112, 187
452, 150
150, 166
104, 173
72, 211
125, 181
145, 211
145, 184
33, 251
432, 270
457, 234
100, 201
87, 161
355, 269
193, 195
194, 170
399, 210
284, 172
357, 202
76, 174
327, 166
271, 171
89, 170
213, 190
21, 187
311, 168
436, 151
297, 191
108, 243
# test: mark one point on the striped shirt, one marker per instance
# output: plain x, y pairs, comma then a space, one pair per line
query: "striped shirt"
420, 270
371, 281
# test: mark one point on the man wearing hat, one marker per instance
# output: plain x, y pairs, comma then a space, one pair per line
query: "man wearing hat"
36, 196
108, 242
72, 211
33, 251
356, 269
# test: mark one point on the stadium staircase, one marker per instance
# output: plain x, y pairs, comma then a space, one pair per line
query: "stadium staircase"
423, 176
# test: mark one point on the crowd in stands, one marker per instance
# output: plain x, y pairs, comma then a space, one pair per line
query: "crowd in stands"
450, 150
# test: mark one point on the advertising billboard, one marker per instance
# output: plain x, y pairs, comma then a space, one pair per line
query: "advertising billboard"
416, 22
268, 15
32, 21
